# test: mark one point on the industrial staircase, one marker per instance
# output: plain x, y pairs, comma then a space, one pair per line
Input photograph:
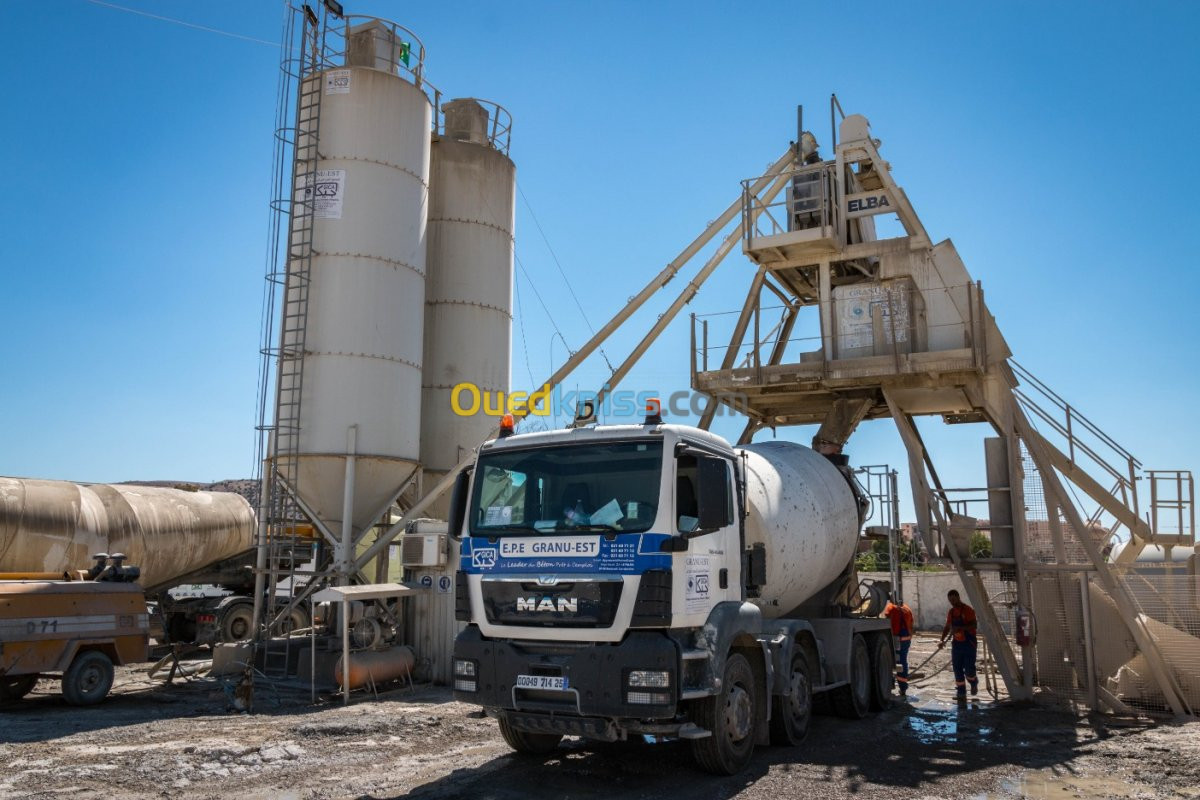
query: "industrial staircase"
1090, 459
285, 532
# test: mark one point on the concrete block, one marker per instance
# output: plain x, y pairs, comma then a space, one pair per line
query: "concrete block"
230, 658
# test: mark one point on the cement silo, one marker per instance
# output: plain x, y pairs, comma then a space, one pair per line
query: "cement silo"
468, 299
365, 303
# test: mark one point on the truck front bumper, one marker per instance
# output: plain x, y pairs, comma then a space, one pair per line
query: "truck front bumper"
597, 680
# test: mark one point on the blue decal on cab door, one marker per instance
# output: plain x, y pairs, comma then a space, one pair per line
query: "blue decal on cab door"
625, 554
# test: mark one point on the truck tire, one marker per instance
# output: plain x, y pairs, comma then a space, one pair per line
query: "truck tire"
731, 716
791, 715
88, 679
15, 687
530, 744
853, 701
237, 623
297, 620
883, 671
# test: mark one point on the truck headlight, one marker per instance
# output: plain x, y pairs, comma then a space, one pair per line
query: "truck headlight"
648, 698
465, 671
648, 679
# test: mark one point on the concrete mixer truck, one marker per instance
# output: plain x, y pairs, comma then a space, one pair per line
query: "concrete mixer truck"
652, 580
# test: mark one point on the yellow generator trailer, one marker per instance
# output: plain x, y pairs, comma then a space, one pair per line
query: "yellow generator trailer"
78, 626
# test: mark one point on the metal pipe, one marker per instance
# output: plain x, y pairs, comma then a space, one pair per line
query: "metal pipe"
345, 648
1088, 645
346, 556
346, 559
669, 272
260, 557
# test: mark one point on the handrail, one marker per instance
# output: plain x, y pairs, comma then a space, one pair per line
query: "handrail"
499, 129
1071, 411
331, 50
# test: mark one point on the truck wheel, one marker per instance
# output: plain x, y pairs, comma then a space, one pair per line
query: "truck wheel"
16, 686
526, 743
731, 717
883, 663
88, 679
237, 623
853, 701
790, 715
297, 620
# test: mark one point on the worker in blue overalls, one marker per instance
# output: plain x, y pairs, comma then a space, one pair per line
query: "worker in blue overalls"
961, 625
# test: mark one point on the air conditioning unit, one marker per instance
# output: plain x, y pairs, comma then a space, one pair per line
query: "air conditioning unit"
423, 550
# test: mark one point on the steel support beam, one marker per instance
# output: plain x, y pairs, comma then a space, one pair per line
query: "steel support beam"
686, 295
1006, 661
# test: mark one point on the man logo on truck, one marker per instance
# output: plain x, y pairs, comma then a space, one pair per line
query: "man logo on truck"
562, 606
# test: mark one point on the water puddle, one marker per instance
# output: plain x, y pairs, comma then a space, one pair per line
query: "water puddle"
934, 722
1045, 784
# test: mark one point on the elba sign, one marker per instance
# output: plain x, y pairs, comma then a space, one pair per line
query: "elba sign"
866, 203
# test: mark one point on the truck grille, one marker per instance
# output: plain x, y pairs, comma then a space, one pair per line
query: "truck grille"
582, 604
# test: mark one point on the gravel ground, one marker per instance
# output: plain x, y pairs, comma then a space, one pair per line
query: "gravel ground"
151, 741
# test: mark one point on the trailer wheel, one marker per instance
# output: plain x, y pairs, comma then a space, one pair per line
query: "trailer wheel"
530, 744
237, 623
88, 679
883, 663
791, 715
16, 686
731, 717
853, 700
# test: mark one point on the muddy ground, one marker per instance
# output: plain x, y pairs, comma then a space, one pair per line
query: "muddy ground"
149, 741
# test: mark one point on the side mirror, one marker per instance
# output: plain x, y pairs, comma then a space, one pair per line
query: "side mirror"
458, 503
712, 497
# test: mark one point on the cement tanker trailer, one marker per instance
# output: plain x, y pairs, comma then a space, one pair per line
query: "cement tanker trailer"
174, 536
652, 580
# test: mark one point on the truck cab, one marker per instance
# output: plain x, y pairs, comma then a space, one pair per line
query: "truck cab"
609, 591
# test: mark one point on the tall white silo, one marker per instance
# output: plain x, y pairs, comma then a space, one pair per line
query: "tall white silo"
363, 335
468, 291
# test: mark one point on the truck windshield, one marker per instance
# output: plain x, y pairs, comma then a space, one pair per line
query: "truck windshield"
604, 486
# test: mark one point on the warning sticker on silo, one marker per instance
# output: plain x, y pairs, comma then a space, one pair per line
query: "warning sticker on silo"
326, 194
337, 81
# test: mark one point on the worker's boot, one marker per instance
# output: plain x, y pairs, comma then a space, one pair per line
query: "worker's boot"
974, 688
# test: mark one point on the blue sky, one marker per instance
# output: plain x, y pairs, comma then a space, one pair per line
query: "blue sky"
1050, 141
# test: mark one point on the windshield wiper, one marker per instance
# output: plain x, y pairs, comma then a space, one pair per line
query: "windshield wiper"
492, 530
600, 526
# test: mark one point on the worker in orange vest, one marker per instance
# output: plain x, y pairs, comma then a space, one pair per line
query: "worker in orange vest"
901, 617
960, 624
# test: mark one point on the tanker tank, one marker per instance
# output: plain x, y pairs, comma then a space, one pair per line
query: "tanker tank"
803, 511
53, 526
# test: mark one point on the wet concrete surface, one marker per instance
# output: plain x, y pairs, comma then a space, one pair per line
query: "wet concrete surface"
153, 741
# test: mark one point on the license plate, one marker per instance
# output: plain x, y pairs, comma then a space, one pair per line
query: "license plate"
542, 682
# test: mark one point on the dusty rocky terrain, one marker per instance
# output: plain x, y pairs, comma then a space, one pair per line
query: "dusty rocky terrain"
150, 741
